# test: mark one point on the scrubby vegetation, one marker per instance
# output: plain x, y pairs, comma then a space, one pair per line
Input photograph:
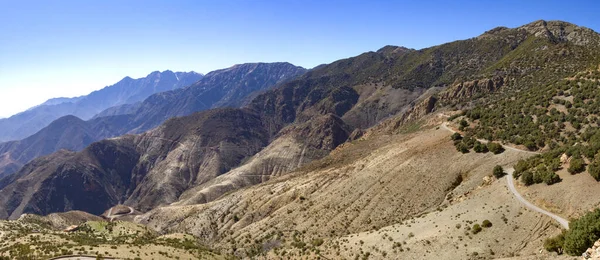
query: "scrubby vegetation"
25, 239
582, 234
498, 172
558, 115
466, 143
539, 169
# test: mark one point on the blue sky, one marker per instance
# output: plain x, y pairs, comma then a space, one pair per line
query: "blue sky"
69, 48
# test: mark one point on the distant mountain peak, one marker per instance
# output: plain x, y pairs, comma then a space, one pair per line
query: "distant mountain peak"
392, 49
555, 31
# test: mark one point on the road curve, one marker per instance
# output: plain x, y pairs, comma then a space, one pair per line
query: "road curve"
511, 185
111, 216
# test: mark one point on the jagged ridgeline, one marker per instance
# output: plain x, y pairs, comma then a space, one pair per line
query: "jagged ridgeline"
200, 172
357, 92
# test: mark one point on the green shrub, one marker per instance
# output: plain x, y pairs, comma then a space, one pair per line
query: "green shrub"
498, 171
480, 148
317, 242
461, 147
476, 229
527, 178
486, 224
582, 233
594, 170
555, 244
576, 166
456, 137
495, 148
463, 123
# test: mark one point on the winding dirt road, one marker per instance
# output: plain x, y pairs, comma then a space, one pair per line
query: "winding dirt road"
111, 216
511, 185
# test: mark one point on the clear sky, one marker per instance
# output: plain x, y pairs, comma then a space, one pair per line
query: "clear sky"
69, 48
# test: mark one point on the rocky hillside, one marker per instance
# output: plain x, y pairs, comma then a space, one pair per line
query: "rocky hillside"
352, 159
126, 91
221, 88
144, 170
68, 132
348, 94
227, 87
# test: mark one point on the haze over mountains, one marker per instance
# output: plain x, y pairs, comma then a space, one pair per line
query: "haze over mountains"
349, 159
126, 91
227, 87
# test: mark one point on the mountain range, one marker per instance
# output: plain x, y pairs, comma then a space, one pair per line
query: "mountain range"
368, 156
221, 88
126, 91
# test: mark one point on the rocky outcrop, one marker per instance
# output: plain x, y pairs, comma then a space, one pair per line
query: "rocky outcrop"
559, 31
593, 252
469, 89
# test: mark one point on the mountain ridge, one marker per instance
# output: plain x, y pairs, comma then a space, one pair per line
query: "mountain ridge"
220, 88
125, 91
348, 159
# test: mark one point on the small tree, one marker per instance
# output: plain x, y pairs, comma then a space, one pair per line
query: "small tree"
495, 148
594, 170
577, 165
480, 148
463, 148
527, 178
555, 244
476, 229
486, 224
530, 145
456, 137
498, 172
551, 178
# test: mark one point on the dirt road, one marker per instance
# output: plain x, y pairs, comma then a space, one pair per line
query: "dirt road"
511, 185
111, 216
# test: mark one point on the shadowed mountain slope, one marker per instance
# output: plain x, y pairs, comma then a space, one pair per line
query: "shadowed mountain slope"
192, 160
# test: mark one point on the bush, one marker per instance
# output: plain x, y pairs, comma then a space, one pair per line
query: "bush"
527, 178
594, 170
480, 148
555, 244
577, 165
486, 224
498, 172
531, 146
476, 229
582, 233
317, 242
469, 141
463, 148
456, 137
495, 148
